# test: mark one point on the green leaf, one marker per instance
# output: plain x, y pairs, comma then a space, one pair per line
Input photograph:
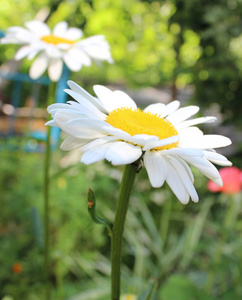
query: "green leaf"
180, 287
147, 294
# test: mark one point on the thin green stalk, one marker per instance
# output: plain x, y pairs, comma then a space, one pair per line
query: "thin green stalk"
118, 228
50, 100
230, 219
165, 221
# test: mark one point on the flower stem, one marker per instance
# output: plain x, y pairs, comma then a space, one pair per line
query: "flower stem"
118, 228
50, 100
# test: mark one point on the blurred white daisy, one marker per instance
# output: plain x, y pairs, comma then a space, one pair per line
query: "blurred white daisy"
111, 127
63, 44
129, 297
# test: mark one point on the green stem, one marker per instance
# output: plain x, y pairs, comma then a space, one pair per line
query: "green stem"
50, 100
118, 228
232, 213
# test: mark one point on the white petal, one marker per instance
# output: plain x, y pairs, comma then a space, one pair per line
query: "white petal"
157, 108
33, 53
161, 143
195, 122
96, 47
51, 123
90, 108
170, 108
189, 137
121, 153
72, 63
184, 151
55, 69
113, 100
60, 29
182, 114
74, 59
95, 154
52, 51
143, 139
82, 128
71, 143
185, 165
176, 184
120, 134
22, 52
207, 141
97, 142
156, 167
84, 94
64, 115
217, 158
56, 106
39, 66
205, 167
185, 177
38, 27
74, 33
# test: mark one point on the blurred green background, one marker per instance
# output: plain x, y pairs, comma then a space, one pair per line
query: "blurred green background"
190, 48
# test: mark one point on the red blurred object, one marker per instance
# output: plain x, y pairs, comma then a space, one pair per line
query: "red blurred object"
17, 268
232, 181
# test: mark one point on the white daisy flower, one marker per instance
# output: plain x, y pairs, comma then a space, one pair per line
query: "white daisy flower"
63, 44
111, 127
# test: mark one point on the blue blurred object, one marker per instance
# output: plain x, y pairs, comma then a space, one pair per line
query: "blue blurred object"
60, 97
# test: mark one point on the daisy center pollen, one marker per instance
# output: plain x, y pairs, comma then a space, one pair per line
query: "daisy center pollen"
137, 121
52, 39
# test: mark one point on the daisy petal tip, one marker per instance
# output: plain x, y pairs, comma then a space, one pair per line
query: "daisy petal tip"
184, 201
49, 123
195, 200
218, 181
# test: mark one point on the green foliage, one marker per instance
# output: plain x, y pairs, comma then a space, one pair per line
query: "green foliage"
180, 287
153, 43
163, 239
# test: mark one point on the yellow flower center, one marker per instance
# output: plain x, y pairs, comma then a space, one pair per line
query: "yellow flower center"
137, 121
52, 39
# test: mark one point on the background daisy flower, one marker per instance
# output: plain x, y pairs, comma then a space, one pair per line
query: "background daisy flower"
63, 44
111, 127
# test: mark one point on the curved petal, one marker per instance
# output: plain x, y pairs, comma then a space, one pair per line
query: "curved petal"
95, 154
82, 128
22, 52
185, 178
195, 122
84, 94
217, 158
71, 143
55, 69
182, 114
113, 100
60, 29
85, 104
38, 28
121, 153
161, 143
170, 108
74, 33
157, 108
205, 167
75, 58
184, 151
206, 141
176, 184
156, 167
97, 142
39, 66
